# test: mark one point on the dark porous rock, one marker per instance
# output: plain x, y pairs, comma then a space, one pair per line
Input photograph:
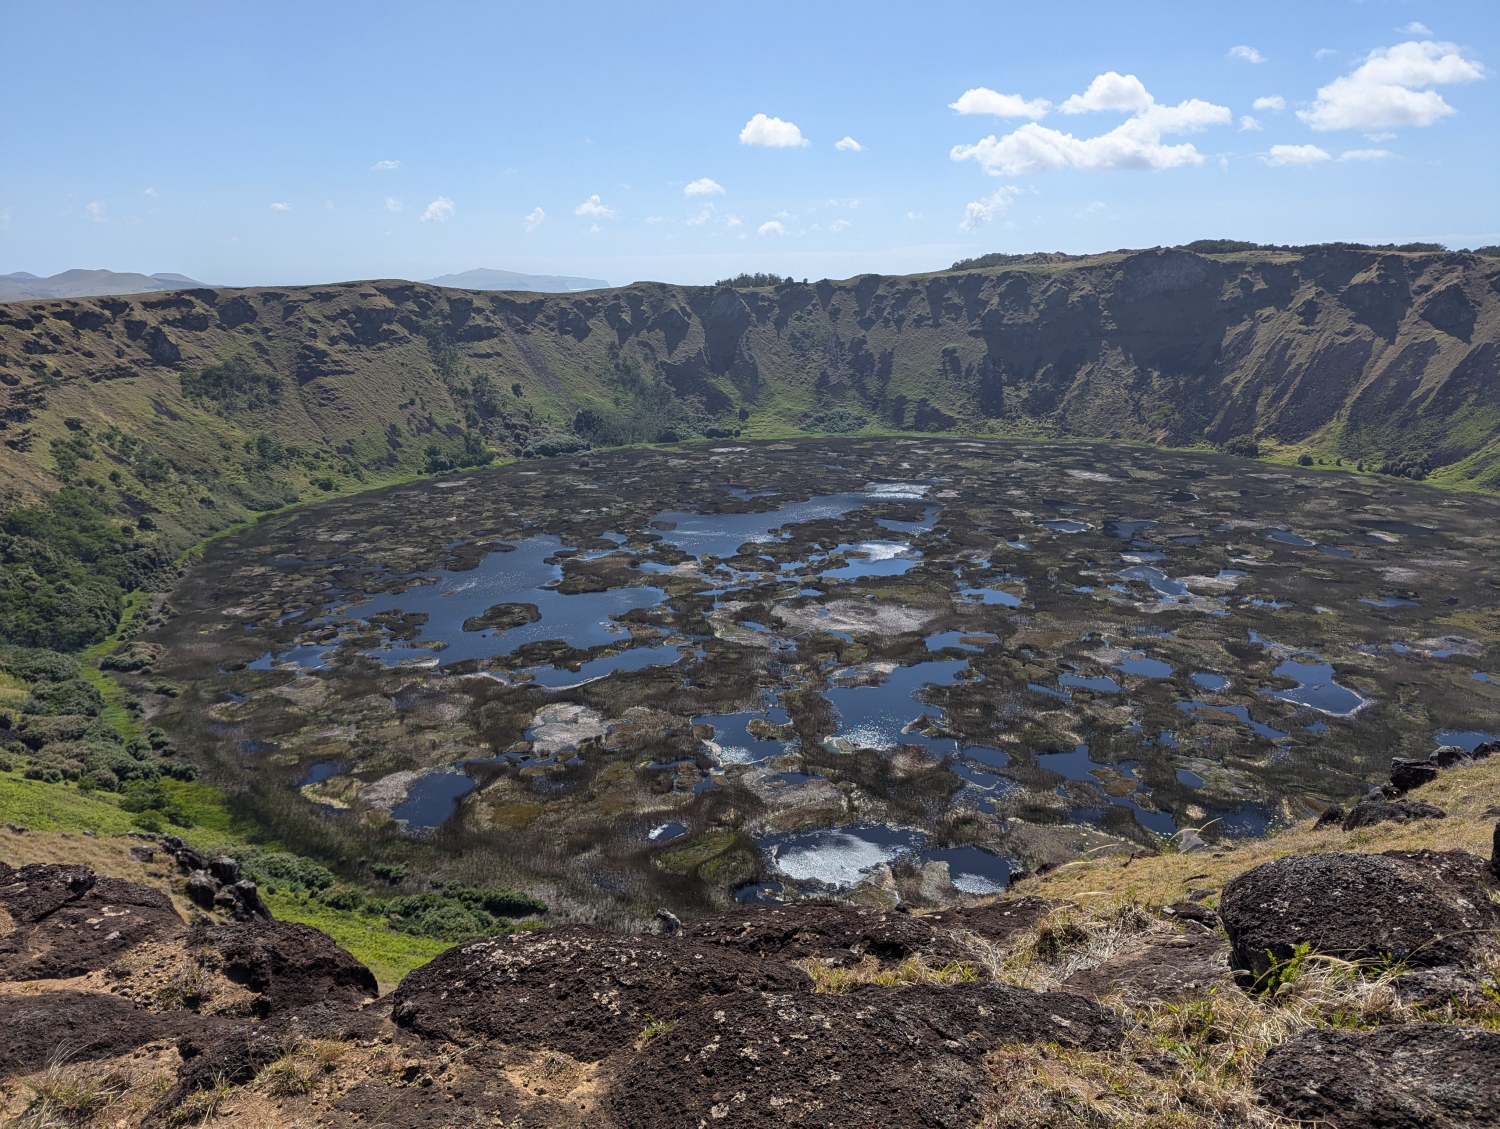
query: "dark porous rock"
1367, 813
242, 900
997, 921
1436, 987
1333, 816
876, 1058
290, 966
1158, 969
232, 1054
1425, 907
1409, 774
1450, 755
834, 933
1417, 1076
1195, 912
82, 1026
225, 870
67, 922
576, 989
202, 889
32, 892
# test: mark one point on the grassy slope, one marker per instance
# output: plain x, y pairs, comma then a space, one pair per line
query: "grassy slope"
1466, 794
55, 817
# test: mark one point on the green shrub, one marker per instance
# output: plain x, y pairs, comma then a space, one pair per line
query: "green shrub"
236, 383
391, 872
286, 870
65, 568
37, 665
1242, 446
835, 421
147, 797
1409, 464
342, 896
74, 696
459, 913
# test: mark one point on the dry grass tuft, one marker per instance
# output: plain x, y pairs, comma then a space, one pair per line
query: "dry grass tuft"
912, 970
1185, 1064
200, 1106
71, 1095
301, 1065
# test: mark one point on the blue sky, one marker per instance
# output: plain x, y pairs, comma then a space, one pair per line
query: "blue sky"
301, 142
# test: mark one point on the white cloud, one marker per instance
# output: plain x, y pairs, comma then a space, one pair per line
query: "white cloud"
1415, 28
838, 225
772, 133
5, 220
1135, 144
385, 166
847, 144
1389, 89
983, 100
771, 227
595, 207
1366, 155
656, 219
94, 211
1295, 155
915, 216
702, 217
1323, 53
534, 219
439, 210
1110, 91
979, 212
732, 221
151, 192
703, 186
281, 206
1248, 123
1249, 54
392, 204
594, 229
1273, 102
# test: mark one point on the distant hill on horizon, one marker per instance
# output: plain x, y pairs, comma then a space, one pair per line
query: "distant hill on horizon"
485, 279
24, 286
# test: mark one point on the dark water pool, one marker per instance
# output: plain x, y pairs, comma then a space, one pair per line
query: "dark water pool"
1076, 764
432, 799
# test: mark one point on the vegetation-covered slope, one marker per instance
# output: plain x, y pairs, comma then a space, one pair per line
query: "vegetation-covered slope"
184, 411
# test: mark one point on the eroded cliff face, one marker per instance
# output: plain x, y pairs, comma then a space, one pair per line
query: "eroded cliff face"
1365, 354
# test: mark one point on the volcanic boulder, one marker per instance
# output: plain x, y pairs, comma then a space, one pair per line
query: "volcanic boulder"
1367, 813
290, 966
877, 1058
575, 989
1413, 1076
1425, 907
831, 933
66, 921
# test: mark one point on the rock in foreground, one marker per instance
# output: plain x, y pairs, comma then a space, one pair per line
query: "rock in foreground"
1419, 1076
1428, 908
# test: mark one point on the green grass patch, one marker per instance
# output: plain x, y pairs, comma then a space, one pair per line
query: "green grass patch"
388, 954
39, 806
204, 803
